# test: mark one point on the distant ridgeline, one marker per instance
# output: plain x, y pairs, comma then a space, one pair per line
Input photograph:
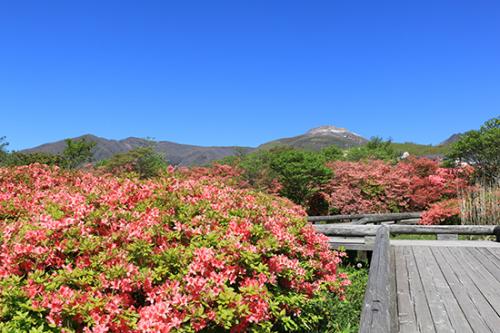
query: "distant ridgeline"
182, 154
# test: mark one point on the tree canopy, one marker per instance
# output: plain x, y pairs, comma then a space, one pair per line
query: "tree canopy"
144, 161
77, 152
480, 148
375, 149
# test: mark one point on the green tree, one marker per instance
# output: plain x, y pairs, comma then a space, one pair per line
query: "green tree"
143, 161
77, 152
375, 149
18, 158
332, 153
257, 168
3, 148
480, 148
3, 144
300, 173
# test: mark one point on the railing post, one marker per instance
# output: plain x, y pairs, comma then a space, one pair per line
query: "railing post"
497, 233
447, 236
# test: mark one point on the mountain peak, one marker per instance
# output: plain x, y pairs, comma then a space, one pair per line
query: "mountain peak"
455, 137
329, 130
319, 138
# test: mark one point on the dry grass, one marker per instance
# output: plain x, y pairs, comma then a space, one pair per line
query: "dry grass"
481, 205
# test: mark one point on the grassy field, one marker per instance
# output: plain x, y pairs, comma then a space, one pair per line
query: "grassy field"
420, 150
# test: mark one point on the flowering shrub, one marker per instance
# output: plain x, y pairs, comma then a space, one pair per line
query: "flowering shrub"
87, 253
430, 183
377, 186
366, 187
223, 173
444, 212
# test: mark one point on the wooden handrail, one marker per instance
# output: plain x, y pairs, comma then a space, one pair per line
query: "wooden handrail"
388, 217
327, 218
371, 230
366, 218
379, 310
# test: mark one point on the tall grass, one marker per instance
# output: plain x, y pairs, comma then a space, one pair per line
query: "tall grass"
481, 205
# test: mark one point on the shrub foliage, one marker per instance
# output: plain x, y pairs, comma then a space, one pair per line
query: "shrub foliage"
481, 148
378, 187
80, 252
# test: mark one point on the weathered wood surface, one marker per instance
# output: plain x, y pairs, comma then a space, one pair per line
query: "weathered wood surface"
428, 285
409, 221
447, 237
379, 309
378, 218
442, 285
335, 217
445, 243
350, 230
367, 218
351, 243
447, 288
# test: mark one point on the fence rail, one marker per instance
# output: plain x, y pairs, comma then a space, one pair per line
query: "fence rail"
371, 230
379, 307
368, 218
361, 237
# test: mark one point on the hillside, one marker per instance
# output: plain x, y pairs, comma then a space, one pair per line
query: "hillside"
183, 154
318, 138
176, 154
455, 137
420, 150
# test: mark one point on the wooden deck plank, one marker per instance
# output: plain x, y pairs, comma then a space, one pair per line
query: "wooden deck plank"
486, 262
445, 243
495, 252
445, 311
489, 286
434, 302
469, 300
491, 256
422, 311
406, 312
473, 287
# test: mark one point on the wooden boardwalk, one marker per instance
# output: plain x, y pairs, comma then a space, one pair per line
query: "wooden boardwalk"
446, 286
426, 285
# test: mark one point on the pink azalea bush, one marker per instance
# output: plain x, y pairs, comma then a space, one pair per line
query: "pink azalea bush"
94, 253
228, 174
379, 187
444, 212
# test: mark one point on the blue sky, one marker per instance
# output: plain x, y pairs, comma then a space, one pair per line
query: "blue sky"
245, 72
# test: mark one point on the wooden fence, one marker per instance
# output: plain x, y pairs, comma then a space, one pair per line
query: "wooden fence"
400, 218
380, 308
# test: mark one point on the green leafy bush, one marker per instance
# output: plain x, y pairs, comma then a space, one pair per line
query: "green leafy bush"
375, 149
18, 158
143, 161
291, 173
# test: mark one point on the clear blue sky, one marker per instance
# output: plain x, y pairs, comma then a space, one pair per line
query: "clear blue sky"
244, 72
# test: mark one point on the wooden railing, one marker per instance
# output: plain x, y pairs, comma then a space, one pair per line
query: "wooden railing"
371, 230
357, 231
362, 237
379, 307
400, 218
379, 313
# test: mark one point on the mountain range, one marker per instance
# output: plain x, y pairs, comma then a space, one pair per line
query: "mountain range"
182, 154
